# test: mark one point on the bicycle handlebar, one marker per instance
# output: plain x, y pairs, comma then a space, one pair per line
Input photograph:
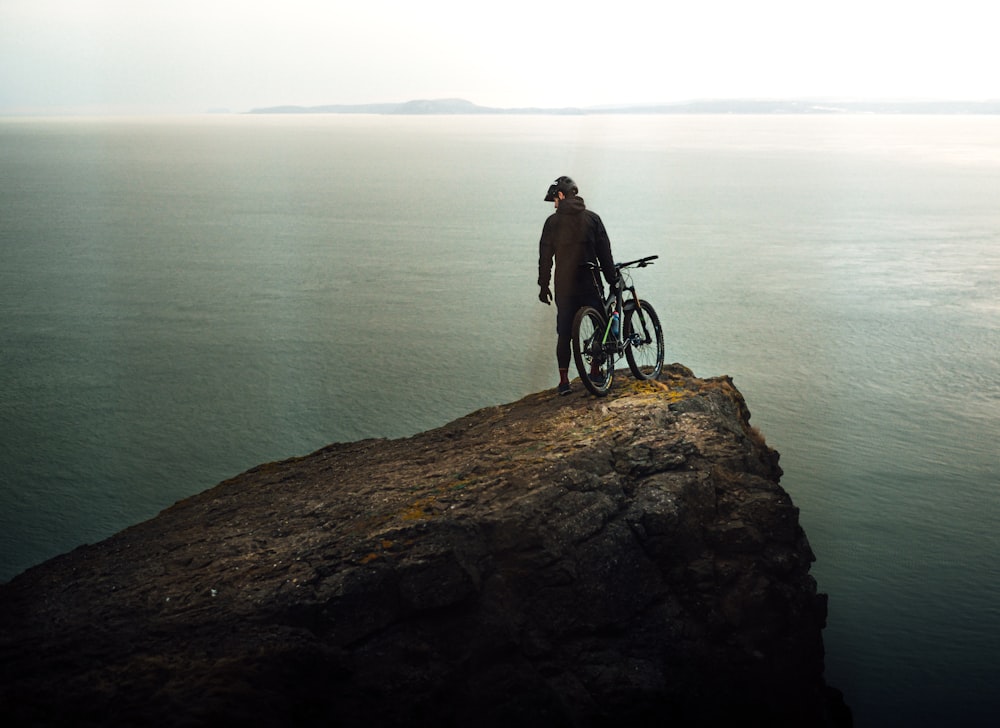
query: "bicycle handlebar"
641, 262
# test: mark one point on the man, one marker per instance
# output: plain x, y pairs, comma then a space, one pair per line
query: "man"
572, 235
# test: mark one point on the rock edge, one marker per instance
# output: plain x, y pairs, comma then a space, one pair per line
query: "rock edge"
574, 561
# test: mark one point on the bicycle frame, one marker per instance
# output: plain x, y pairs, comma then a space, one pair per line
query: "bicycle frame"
595, 344
616, 301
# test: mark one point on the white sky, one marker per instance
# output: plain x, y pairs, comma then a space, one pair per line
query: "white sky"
186, 56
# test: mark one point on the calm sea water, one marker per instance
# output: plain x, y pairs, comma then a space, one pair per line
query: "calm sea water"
182, 299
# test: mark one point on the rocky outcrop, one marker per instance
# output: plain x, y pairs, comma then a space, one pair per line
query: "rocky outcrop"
572, 561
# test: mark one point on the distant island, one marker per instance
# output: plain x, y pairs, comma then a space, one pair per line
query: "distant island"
715, 106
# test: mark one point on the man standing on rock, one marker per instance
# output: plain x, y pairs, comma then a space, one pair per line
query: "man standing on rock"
573, 235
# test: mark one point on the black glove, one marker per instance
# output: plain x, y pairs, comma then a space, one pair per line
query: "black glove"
545, 296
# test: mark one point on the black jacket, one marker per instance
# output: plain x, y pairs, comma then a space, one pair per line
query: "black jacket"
573, 235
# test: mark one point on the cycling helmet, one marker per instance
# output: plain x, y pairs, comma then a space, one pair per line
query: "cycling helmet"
563, 184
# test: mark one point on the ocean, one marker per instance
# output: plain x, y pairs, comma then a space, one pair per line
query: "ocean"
184, 298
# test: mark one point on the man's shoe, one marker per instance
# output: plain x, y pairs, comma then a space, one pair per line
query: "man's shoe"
564, 389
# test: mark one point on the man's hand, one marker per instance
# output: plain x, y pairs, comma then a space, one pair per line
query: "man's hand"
545, 296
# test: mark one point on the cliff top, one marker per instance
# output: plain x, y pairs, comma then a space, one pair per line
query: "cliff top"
551, 561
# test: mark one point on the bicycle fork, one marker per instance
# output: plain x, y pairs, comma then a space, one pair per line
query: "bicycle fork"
638, 336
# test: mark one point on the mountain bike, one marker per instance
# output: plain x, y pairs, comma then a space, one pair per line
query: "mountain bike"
627, 326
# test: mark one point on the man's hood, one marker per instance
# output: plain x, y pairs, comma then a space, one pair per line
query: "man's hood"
571, 206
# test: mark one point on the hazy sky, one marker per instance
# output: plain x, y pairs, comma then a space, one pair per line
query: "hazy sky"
138, 56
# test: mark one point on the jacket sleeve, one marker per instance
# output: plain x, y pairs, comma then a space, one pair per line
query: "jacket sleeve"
545, 254
602, 248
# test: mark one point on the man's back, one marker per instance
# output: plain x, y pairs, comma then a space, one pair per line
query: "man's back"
573, 235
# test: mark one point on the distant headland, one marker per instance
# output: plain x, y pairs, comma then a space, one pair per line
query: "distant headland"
710, 106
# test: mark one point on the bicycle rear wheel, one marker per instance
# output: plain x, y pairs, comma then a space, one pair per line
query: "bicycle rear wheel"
595, 365
645, 341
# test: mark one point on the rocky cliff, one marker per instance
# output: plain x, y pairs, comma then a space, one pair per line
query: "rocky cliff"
568, 561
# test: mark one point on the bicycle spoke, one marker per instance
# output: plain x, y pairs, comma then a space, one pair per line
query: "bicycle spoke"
592, 361
645, 354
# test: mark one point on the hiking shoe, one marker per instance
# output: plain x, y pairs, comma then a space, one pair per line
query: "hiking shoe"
564, 389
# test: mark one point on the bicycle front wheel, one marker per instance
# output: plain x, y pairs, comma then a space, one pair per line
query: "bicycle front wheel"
595, 365
645, 341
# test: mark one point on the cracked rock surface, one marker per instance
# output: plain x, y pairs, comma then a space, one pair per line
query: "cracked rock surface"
557, 561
